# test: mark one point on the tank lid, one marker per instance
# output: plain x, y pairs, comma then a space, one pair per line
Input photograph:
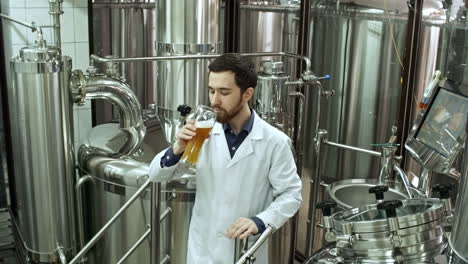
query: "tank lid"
41, 53
272, 67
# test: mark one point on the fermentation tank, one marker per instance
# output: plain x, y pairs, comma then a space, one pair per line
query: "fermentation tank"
126, 29
184, 28
361, 44
43, 153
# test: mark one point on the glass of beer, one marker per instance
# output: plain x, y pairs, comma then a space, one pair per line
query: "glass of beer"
204, 118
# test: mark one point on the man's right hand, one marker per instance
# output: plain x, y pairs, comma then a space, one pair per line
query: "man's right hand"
186, 133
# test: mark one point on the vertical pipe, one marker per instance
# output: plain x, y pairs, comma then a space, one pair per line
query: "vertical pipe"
231, 26
409, 71
320, 136
55, 10
155, 223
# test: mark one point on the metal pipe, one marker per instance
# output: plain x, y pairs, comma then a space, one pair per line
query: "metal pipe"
343, 146
61, 254
165, 260
263, 237
131, 121
100, 233
165, 214
155, 226
79, 204
135, 246
300, 118
31, 25
96, 58
55, 10
404, 179
320, 137
424, 183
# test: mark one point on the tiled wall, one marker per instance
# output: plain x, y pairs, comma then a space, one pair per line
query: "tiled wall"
74, 35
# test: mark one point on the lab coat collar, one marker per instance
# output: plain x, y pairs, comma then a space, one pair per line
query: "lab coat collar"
256, 132
246, 148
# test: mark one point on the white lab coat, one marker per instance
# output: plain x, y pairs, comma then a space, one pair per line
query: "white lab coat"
260, 180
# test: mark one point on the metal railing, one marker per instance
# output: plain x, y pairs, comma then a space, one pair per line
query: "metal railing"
100, 233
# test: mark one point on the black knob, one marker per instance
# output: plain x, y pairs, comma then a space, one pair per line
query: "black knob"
390, 207
184, 110
379, 191
326, 207
443, 190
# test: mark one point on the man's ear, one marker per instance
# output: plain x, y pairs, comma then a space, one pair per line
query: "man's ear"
248, 94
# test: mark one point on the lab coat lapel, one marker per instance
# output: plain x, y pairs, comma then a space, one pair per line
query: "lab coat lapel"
246, 148
220, 141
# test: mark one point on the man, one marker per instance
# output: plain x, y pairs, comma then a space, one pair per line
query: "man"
246, 175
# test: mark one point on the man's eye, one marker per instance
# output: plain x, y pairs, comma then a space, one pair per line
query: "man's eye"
224, 93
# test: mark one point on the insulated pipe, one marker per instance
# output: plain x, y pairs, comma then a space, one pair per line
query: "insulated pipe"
131, 122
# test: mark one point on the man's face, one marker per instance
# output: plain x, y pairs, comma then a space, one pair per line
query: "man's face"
225, 95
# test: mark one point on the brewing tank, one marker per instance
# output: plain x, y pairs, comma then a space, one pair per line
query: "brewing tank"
458, 241
185, 27
42, 134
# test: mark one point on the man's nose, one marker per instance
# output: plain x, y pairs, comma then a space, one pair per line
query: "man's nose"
215, 99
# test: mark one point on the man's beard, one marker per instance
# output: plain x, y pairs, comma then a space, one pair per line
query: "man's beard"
224, 116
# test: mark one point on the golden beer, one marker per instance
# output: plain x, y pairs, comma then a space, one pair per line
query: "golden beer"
195, 144
205, 119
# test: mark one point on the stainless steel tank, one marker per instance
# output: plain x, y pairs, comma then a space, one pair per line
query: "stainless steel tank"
269, 26
184, 28
112, 183
458, 241
42, 132
126, 29
362, 47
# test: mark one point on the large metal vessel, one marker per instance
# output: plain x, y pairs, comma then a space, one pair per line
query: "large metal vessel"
458, 241
42, 132
184, 28
126, 29
108, 184
361, 45
269, 26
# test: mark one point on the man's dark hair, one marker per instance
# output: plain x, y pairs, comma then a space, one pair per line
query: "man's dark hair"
242, 67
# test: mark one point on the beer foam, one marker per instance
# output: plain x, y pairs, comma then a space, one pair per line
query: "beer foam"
204, 124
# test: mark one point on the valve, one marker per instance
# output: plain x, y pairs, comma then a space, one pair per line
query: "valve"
184, 110
390, 207
379, 191
326, 207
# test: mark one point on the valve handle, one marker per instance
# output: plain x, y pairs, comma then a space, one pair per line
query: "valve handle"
390, 207
379, 191
184, 110
326, 207
443, 190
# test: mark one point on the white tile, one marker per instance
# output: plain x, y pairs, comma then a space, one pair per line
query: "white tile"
66, 23
15, 3
82, 56
18, 33
41, 17
67, 3
81, 3
37, 3
81, 24
69, 50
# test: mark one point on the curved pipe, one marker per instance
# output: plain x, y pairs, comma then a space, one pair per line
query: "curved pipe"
131, 121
